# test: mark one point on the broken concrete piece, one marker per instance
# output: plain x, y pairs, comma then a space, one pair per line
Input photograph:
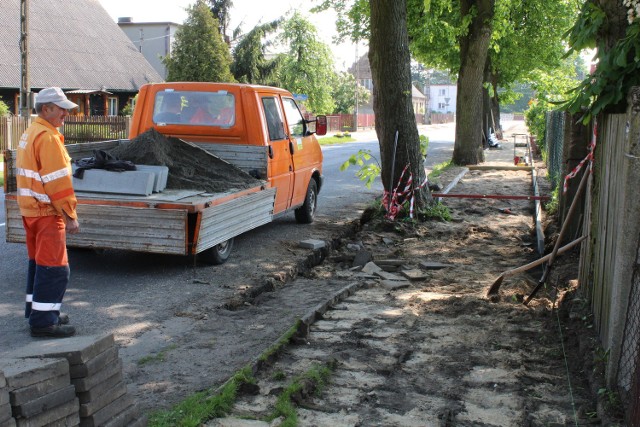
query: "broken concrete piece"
312, 244
394, 262
362, 258
354, 247
388, 241
389, 276
414, 274
371, 268
395, 284
433, 265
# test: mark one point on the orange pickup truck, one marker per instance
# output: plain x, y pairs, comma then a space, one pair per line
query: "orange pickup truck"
258, 129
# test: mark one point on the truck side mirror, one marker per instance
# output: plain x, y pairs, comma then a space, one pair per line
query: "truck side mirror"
321, 125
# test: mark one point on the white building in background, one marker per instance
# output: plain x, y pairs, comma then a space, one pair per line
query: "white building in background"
442, 98
153, 40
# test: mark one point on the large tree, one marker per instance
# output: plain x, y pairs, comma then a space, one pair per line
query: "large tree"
307, 65
528, 36
198, 52
250, 64
221, 10
344, 93
391, 71
613, 27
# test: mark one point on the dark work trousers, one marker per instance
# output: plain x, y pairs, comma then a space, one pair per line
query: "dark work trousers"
48, 272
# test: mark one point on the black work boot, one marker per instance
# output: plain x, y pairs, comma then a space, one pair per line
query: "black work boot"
54, 331
63, 319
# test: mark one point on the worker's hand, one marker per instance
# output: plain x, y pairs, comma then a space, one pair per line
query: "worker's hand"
71, 225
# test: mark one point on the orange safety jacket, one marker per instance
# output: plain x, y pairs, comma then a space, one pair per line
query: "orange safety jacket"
43, 169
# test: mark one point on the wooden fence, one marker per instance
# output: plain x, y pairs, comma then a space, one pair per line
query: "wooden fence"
11, 128
75, 129
609, 262
95, 128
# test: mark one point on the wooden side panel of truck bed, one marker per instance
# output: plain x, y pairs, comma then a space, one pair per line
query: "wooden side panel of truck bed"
117, 227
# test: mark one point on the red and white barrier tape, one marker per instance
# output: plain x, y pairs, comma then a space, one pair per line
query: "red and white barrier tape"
399, 199
589, 158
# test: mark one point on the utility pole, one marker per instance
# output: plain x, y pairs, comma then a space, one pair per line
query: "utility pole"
357, 73
25, 87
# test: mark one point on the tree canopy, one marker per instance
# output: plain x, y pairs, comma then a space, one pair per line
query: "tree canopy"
307, 66
344, 93
250, 64
199, 53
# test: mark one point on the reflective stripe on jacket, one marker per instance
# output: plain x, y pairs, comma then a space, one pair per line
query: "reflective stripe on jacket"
43, 170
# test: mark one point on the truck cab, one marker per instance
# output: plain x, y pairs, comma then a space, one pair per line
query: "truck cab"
260, 129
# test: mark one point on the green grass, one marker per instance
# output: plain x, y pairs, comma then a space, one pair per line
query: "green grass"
331, 140
439, 168
158, 357
208, 404
317, 376
203, 405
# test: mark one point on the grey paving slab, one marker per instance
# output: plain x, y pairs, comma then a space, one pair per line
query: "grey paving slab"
26, 394
51, 416
11, 422
87, 383
99, 389
46, 402
94, 365
4, 396
161, 175
107, 413
312, 244
76, 350
21, 373
127, 182
127, 417
93, 406
140, 421
5, 412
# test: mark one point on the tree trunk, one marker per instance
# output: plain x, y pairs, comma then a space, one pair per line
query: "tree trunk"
469, 105
495, 104
391, 72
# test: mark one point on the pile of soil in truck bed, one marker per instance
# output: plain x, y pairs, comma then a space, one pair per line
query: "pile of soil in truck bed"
190, 167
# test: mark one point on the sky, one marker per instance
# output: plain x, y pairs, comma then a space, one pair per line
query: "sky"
246, 13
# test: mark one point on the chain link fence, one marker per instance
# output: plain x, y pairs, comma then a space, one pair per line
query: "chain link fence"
628, 369
554, 144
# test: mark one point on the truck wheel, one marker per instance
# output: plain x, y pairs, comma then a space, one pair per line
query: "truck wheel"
219, 254
306, 212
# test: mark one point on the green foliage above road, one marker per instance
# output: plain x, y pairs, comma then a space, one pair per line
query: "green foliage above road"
307, 67
250, 64
618, 54
199, 53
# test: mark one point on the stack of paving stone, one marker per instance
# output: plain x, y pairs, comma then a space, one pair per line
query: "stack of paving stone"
96, 373
6, 420
40, 393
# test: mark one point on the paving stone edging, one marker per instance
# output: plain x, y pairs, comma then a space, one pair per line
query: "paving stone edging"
72, 381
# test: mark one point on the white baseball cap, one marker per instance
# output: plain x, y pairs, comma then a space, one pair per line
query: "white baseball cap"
56, 96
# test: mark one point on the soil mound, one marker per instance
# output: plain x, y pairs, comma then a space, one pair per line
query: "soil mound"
190, 167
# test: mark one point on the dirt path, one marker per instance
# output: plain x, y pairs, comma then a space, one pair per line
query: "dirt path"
438, 352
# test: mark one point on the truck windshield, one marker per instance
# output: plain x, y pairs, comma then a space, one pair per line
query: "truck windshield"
194, 108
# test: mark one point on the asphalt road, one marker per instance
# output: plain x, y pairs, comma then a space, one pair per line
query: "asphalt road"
125, 292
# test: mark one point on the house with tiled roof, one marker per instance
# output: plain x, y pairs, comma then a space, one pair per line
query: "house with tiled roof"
76, 45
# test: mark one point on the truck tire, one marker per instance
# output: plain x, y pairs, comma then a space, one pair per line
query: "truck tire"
219, 254
306, 212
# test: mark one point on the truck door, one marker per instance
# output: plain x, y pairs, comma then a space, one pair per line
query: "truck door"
280, 159
305, 151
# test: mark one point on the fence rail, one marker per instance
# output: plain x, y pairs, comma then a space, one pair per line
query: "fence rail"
11, 128
75, 129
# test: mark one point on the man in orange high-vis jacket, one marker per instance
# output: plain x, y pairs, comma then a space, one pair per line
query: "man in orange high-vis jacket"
48, 207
